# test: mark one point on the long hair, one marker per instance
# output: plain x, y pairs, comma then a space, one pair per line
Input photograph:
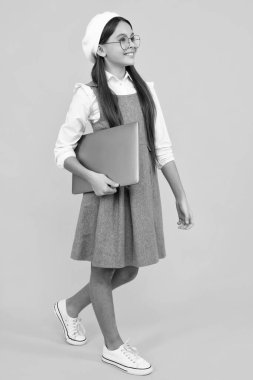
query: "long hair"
109, 102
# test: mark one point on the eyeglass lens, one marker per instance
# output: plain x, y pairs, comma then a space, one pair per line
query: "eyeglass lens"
124, 41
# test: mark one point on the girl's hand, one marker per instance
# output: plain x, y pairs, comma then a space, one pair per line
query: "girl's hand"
185, 215
103, 185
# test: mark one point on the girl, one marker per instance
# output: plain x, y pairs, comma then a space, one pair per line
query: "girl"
119, 229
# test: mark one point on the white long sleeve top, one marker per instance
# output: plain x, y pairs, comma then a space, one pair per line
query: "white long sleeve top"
84, 110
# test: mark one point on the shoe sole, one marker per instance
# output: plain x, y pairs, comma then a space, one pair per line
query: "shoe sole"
67, 338
129, 370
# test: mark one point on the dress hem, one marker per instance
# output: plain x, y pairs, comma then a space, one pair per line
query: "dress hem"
110, 266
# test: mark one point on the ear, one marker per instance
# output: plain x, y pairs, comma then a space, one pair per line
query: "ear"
101, 51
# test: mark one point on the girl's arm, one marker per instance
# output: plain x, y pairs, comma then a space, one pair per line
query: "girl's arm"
75, 167
164, 151
75, 125
163, 142
171, 174
166, 163
185, 215
71, 131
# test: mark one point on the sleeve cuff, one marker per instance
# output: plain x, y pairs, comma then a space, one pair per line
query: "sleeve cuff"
60, 160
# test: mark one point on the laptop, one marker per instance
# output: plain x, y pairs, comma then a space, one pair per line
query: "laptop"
111, 151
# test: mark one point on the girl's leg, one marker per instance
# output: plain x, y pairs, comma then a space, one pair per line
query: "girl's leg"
102, 302
81, 299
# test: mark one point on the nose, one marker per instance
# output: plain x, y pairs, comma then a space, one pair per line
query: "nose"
131, 44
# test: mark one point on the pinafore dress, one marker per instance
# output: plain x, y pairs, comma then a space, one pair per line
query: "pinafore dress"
124, 228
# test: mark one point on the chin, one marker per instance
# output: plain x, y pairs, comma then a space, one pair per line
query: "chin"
130, 61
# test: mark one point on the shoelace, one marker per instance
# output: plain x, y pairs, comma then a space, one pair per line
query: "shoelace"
133, 352
75, 326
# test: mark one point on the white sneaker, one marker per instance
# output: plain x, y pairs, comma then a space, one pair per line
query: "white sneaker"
72, 327
127, 358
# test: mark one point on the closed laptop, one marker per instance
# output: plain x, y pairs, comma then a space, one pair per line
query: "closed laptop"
111, 151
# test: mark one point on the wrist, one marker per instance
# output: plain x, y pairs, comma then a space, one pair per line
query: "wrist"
180, 198
90, 175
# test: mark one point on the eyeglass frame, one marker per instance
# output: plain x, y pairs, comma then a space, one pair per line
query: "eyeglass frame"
119, 42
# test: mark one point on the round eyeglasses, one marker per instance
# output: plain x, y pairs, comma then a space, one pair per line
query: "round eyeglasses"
125, 41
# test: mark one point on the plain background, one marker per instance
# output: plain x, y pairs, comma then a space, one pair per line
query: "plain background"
191, 314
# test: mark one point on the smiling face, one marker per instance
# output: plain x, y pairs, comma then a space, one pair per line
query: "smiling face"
113, 54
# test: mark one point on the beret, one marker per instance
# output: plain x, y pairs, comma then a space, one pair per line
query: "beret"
93, 33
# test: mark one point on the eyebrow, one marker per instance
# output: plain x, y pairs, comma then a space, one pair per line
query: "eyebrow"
124, 34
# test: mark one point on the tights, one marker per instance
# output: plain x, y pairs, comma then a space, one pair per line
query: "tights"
98, 292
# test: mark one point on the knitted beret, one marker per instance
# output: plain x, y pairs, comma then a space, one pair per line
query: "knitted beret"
93, 33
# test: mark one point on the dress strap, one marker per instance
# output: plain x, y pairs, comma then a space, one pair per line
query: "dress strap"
93, 84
